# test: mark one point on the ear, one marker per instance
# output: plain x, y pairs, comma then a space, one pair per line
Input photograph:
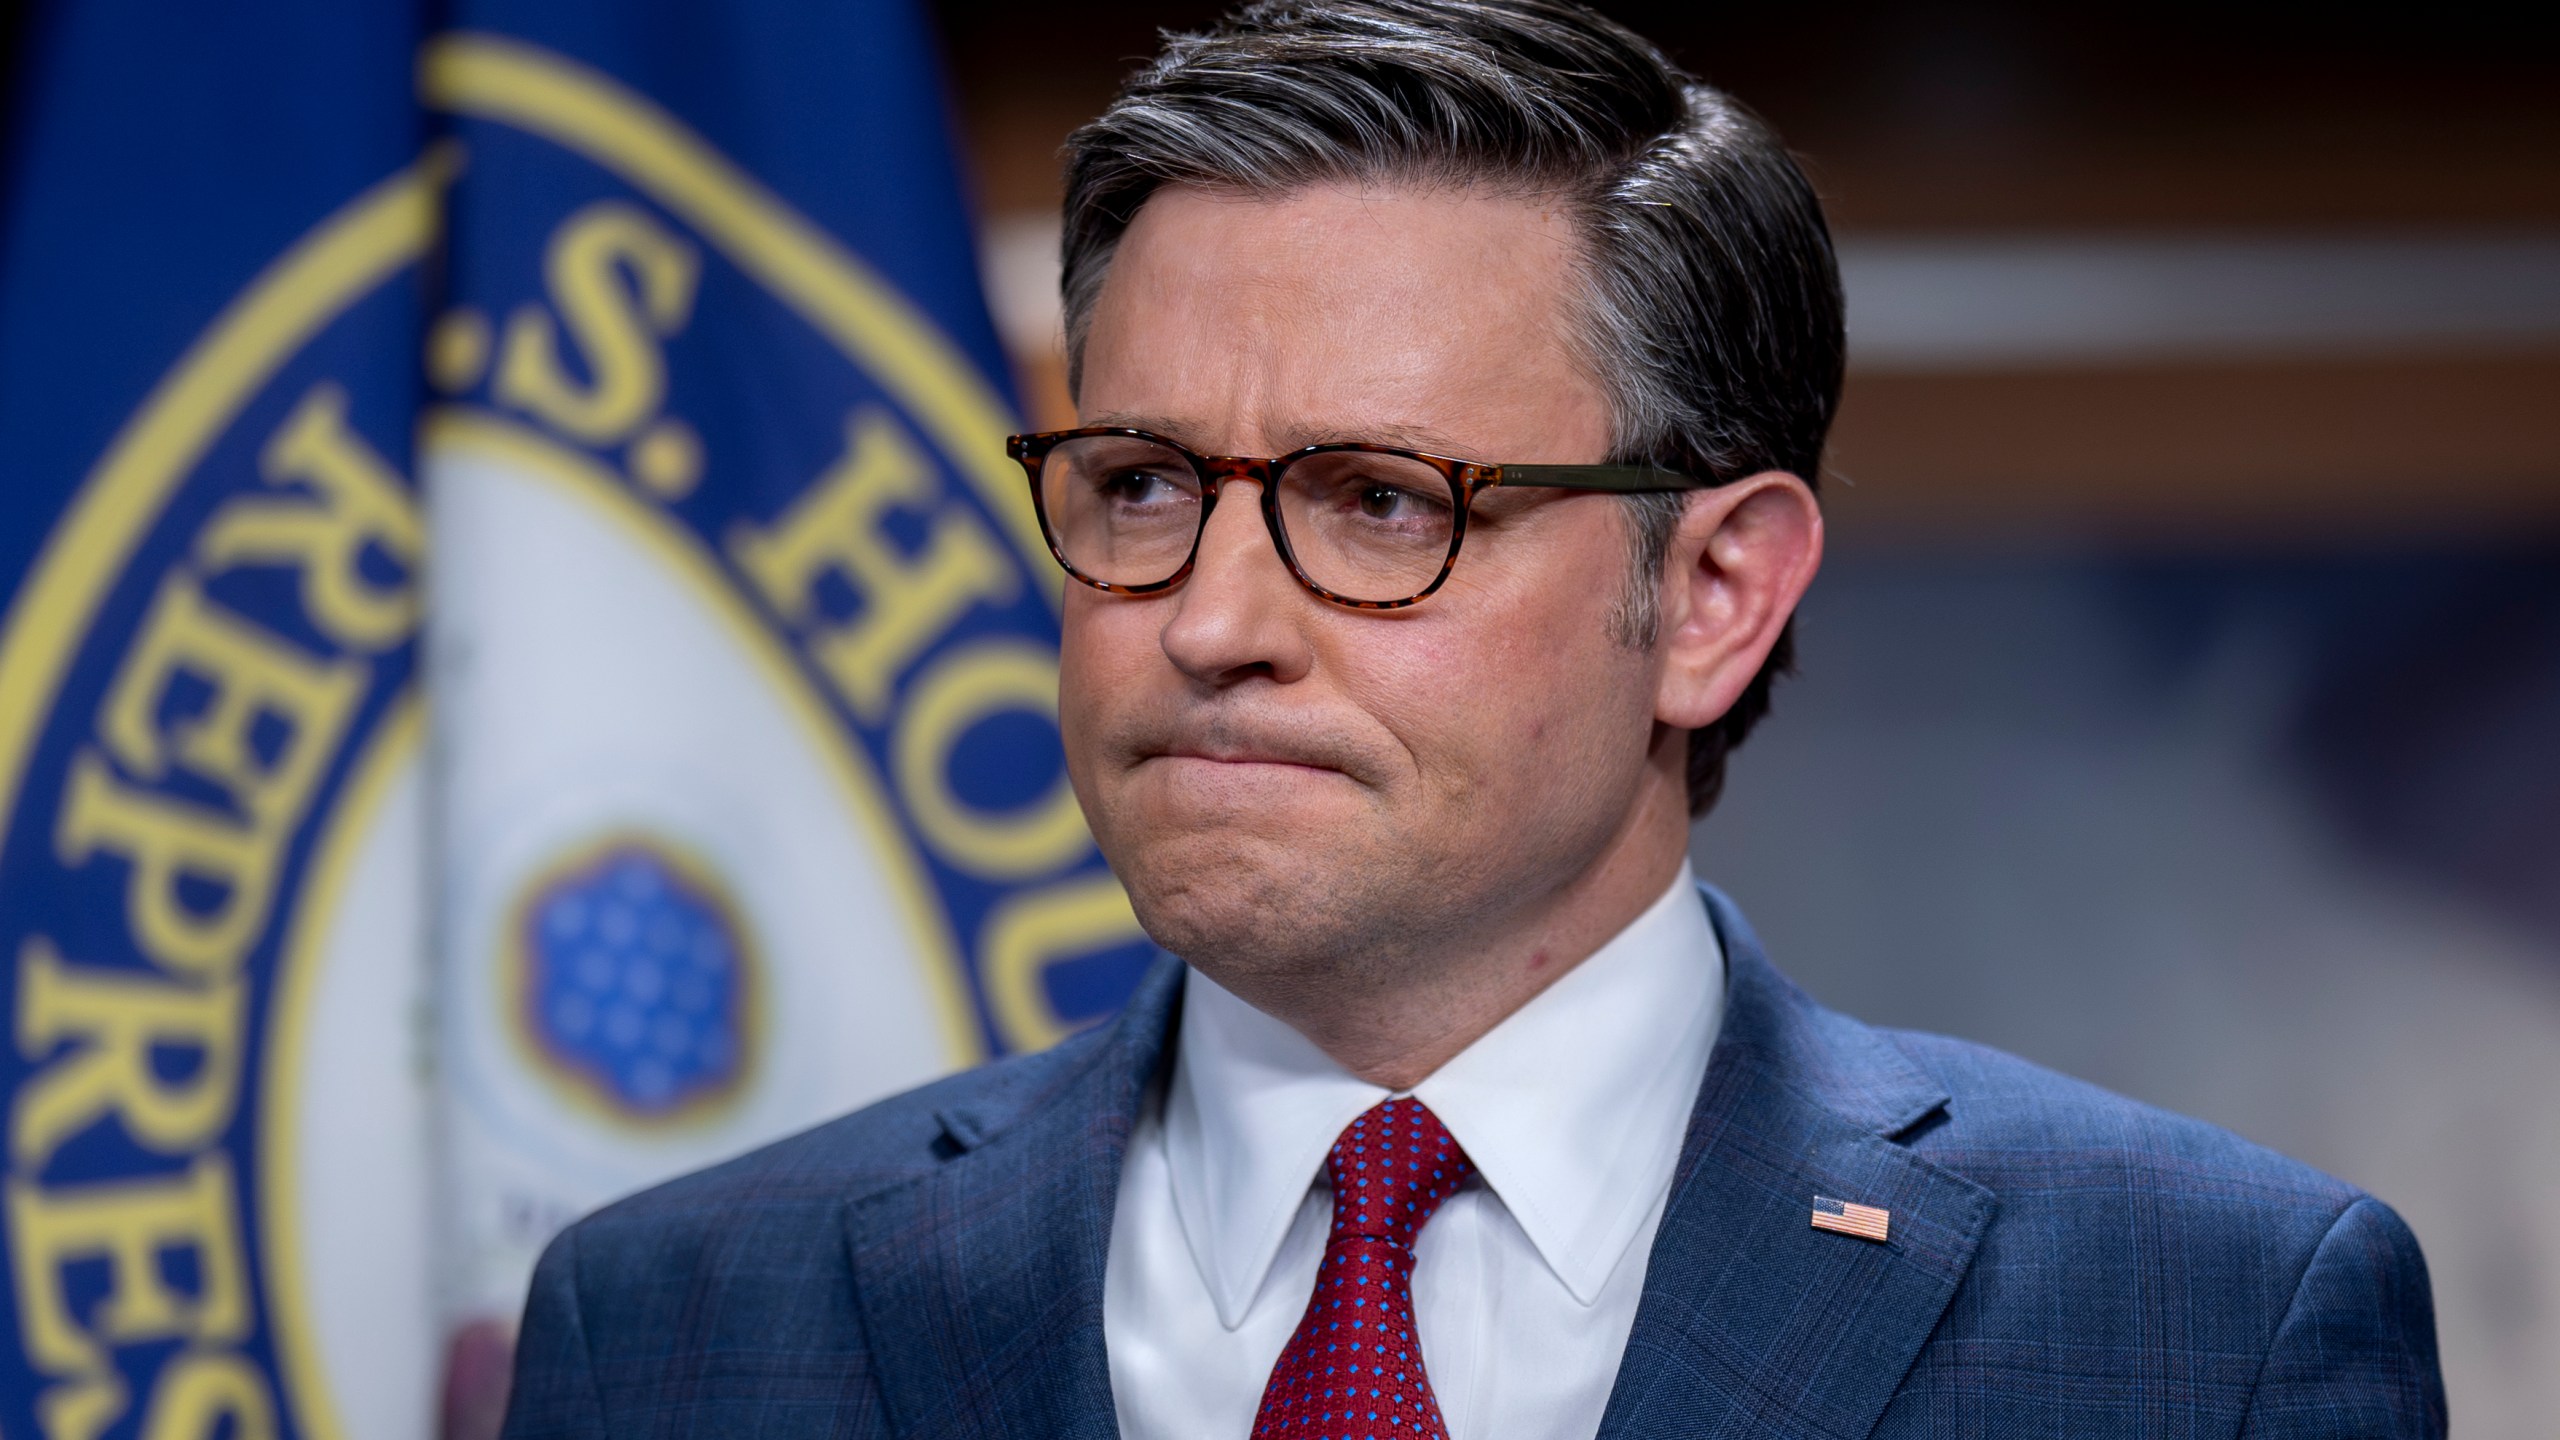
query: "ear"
1736, 566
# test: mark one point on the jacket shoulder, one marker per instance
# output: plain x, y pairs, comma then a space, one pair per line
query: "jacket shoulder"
2011, 1123
788, 1194
2139, 1251
703, 1304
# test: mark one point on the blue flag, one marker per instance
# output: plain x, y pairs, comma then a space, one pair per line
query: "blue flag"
506, 523
751, 804
208, 321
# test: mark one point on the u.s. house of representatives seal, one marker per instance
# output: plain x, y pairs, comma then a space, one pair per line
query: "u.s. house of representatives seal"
730, 798
744, 671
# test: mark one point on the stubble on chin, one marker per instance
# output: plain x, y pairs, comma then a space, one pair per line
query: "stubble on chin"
1286, 924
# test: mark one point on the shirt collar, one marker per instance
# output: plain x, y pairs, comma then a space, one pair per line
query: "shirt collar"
1572, 1108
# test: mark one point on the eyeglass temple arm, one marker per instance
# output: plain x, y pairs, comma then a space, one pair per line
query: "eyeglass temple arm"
1618, 479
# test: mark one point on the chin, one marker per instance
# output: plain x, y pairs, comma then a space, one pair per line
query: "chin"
1209, 894
1250, 907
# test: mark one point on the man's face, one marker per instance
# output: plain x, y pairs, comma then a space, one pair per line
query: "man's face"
1288, 787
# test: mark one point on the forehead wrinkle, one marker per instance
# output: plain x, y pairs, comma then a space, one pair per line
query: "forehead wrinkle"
1403, 435
1285, 436
1190, 433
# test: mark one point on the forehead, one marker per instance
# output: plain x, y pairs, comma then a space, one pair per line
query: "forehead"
1437, 316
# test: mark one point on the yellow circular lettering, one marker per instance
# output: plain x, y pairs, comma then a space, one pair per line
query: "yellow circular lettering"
964, 687
667, 459
1034, 929
198, 1391
458, 349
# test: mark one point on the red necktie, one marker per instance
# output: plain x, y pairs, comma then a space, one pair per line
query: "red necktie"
1353, 1370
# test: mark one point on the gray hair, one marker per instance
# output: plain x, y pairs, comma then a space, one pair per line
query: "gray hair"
1712, 315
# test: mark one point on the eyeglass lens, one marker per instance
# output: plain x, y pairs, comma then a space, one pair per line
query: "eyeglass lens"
1364, 526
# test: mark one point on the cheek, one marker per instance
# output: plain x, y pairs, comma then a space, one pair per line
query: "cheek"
1099, 642
1507, 708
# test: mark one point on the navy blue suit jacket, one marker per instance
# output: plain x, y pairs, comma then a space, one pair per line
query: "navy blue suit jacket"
2063, 1262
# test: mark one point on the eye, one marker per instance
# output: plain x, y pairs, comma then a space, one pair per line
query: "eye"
1388, 502
1138, 486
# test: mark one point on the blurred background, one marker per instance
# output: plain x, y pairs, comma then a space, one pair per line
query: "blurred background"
2180, 704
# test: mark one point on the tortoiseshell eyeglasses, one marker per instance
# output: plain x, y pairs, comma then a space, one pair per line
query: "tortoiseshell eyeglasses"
1367, 526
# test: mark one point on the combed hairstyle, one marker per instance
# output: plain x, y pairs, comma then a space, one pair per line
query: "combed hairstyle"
1712, 318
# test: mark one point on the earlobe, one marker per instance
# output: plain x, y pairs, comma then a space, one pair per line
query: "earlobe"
1736, 567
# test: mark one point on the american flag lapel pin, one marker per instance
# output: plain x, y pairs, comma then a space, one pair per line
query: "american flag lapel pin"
1867, 1222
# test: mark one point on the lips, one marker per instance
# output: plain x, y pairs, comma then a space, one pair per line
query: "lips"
1227, 742
1247, 757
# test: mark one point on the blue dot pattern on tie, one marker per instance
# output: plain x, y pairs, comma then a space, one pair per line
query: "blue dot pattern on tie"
1353, 1368
635, 982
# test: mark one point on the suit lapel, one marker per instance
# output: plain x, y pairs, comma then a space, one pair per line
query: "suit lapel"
980, 1283
1753, 1323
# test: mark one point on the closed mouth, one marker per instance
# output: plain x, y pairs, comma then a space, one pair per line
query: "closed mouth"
1243, 757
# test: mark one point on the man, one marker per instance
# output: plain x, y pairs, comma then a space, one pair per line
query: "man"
1464, 1111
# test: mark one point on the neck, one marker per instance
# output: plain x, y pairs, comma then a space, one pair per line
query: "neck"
1394, 1025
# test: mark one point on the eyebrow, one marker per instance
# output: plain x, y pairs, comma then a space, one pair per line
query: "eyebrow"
1402, 436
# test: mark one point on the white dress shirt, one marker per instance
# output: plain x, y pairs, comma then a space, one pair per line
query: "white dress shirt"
1525, 1282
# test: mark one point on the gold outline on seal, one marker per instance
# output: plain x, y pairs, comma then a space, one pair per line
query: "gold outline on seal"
489, 77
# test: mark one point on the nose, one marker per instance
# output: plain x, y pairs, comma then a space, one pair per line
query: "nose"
1241, 614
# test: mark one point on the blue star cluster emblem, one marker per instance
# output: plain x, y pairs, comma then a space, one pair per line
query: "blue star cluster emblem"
636, 981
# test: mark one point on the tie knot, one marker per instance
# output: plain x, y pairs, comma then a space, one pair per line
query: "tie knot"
1391, 1169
